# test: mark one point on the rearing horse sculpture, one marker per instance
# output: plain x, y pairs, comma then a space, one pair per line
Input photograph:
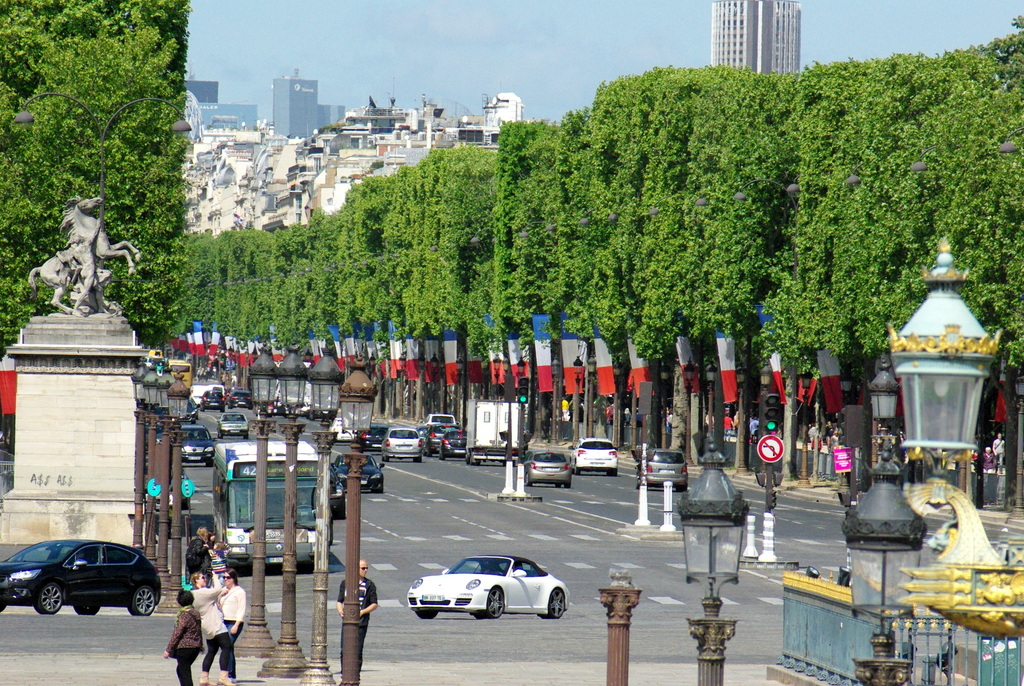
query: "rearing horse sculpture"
79, 267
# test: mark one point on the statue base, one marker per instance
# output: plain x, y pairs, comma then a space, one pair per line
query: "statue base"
74, 455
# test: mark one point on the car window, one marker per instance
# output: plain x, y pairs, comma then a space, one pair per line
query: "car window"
90, 553
454, 433
403, 433
197, 434
378, 430
233, 417
597, 445
43, 552
494, 566
530, 568
118, 556
669, 458
548, 457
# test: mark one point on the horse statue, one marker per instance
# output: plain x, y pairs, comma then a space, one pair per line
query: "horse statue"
79, 268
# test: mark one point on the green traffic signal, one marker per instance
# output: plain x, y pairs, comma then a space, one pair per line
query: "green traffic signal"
771, 426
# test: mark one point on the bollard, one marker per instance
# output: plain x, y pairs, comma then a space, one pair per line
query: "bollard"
768, 534
641, 515
667, 526
751, 550
619, 600
520, 481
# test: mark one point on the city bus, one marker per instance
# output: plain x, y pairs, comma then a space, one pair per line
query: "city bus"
181, 367
234, 501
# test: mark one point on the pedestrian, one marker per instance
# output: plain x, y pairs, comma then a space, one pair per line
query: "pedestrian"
233, 604
988, 463
367, 604
752, 427
999, 450
609, 419
214, 631
219, 559
187, 640
197, 555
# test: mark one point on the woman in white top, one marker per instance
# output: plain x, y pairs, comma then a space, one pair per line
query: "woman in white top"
233, 604
206, 602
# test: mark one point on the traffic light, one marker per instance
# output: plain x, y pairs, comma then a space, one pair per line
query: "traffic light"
772, 414
770, 499
523, 390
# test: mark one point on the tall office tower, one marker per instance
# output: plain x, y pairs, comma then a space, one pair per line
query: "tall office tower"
761, 35
296, 111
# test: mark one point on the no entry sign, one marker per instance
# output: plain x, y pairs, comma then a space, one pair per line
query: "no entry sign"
770, 448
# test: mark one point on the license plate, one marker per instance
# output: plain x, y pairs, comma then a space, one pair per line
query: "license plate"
664, 471
275, 560
431, 598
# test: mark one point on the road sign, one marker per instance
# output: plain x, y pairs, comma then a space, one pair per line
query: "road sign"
153, 488
770, 448
188, 488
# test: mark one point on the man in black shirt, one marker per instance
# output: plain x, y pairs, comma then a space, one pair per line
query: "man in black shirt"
367, 604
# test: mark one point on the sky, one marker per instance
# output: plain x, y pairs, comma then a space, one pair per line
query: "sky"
553, 54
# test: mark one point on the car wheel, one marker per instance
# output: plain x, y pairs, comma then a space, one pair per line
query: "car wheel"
575, 471
440, 456
219, 435
556, 605
468, 461
87, 609
569, 485
50, 599
613, 472
143, 601
426, 614
418, 458
384, 458
495, 604
245, 436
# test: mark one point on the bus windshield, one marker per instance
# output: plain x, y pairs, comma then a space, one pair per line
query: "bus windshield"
241, 505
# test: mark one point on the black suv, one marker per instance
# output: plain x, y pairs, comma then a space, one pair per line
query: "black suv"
212, 400
453, 444
374, 438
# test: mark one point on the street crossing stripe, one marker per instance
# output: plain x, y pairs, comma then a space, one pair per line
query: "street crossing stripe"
384, 567
415, 538
457, 538
431, 565
371, 539
626, 565
585, 537
390, 602
500, 537
579, 565
677, 565
665, 600
771, 601
726, 601
543, 537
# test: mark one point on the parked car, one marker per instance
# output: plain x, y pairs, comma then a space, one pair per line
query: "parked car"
87, 575
547, 467
595, 453
665, 466
340, 432
374, 438
402, 441
487, 586
372, 479
435, 432
196, 444
239, 397
233, 424
212, 400
453, 444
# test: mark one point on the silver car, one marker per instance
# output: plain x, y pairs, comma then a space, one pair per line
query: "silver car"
547, 467
665, 466
402, 441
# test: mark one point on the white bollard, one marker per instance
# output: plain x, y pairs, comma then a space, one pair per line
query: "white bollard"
641, 515
520, 481
751, 550
768, 534
667, 526
509, 478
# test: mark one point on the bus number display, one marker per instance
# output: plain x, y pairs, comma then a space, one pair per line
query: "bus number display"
275, 470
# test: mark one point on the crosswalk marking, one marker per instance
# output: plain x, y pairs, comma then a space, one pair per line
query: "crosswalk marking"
579, 565
384, 567
626, 565
807, 541
415, 538
563, 502
726, 601
458, 538
390, 602
371, 539
470, 500
677, 565
585, 537
431, 565
500, 537
592, 502
665, 600
378, 500
543, 537
771, 601
440, 500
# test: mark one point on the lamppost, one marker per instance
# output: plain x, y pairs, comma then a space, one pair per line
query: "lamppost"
883, 389
102, 129
356, 408
619, 599
140, 453
287, 659
712, 513
577, 370
257, 641
151, 388
1018, 497
690, 387
324, 378
711, 377
556, 400
177, 408
164, 524
739, 418
884, 537
589, 397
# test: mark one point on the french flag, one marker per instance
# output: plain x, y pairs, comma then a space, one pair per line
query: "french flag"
412, 358
314, 346
369, 330
605, 371
571, 351
451, 357
214, 340
431, 372
494, 357
515, 353
335, 331
780, 387
475, 368
727, 366
685, 354
396, 351
542, 344
351, 352
639, 371
8, 385
190, 342
831, 385
197, 337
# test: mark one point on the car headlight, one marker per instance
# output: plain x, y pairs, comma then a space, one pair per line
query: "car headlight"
417, 583
472, 584
25, 575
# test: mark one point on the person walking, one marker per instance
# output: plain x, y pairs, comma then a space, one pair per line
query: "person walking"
216, 634
999, 450
233, 604
197, 555
367, 604
187, 640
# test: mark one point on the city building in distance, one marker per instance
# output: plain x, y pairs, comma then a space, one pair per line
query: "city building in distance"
297, 110
760, 35
216, 114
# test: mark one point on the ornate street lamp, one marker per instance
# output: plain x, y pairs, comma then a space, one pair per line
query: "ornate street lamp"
884, 537
711, 377
712, 513
942, 357
556, 400
883, 389
1018, 498
356, 406
140, 454
577, 370
287, 659
324, 379
257, 641
177, 409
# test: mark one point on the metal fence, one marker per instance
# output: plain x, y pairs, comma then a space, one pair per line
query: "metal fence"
6, 475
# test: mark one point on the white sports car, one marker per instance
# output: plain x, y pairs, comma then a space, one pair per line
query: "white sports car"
488, 586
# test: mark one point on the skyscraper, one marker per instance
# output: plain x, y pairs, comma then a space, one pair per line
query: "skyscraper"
761, 35
295, 106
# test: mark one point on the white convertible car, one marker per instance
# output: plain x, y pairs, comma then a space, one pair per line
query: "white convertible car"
488, 586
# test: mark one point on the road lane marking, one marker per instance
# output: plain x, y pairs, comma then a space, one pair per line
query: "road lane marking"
677, 565
807, 541
431, 565
391, 602
585, 537
665, 600
414, 538
626, 565
579, 565
384, 567
771, 601
456, 537
370, 539
726, 601
500, 537
543, 537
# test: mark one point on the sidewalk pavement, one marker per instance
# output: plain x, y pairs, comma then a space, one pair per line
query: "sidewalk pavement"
144, 670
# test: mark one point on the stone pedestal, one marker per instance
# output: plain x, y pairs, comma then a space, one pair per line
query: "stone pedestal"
75, 448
